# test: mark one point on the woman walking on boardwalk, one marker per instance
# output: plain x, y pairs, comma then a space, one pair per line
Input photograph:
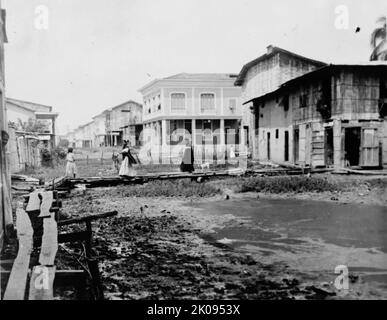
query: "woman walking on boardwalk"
127, 162
71, 167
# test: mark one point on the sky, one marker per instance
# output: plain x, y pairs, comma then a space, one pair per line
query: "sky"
85, 56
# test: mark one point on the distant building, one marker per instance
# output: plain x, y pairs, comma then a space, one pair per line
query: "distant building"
263, 75
206, 108
20, 112
124, 122
100, 133
110, 127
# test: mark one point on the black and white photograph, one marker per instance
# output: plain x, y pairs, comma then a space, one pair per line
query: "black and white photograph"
214, 152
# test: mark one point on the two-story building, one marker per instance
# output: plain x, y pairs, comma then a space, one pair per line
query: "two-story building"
124, 122
334, 116
263, 75
205, 108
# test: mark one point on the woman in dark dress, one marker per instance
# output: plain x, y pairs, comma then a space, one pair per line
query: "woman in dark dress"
131, 159
187, 162
127, 162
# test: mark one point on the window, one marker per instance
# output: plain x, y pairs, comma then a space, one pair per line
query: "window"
177, 130
207, 102
285, 102
276, 133
303, 100
177, 101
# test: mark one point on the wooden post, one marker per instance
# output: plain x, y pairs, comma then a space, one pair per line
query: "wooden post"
102, 158
87, 159
5, 178
93, 264
89, 238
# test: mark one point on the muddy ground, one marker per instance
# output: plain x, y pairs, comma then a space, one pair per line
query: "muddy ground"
154, 250
158, 247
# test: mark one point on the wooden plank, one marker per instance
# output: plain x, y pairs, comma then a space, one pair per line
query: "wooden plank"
87, 218
69, 277
73, 237
42, 283
17, 281
47, 199
57, 182
33, 202
49, 241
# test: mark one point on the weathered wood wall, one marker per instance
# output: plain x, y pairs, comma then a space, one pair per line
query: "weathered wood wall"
355, 94
5, 181
23, 151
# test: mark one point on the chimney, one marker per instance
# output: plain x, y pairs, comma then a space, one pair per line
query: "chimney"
269, 49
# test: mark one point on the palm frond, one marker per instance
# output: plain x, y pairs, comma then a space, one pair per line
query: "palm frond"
379, 33
382, 19
376, 55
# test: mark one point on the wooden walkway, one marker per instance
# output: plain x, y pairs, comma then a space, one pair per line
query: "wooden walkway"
41, 279
93, 182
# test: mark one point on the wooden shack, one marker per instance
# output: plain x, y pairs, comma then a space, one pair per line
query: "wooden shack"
334, 116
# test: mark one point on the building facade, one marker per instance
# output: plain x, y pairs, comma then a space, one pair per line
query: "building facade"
334, 116
124, 122
19, 113
110, 127
99, 122
263, 75
203, 108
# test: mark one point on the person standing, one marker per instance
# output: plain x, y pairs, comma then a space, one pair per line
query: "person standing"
187, 161
71, 167
127, 163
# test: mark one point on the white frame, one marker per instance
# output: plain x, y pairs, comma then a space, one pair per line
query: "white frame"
200, 103
178, 111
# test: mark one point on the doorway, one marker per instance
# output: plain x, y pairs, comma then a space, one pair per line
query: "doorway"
246, 133
370, 148
352, 146
286, 156
268, 146
329, 147
296, 145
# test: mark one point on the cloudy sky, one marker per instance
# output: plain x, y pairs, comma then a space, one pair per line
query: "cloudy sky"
95, 54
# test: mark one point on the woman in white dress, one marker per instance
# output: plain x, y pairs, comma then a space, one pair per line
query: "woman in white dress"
71, 167
127, 162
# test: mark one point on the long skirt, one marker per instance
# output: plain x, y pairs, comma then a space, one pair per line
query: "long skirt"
71, 169
126, 168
